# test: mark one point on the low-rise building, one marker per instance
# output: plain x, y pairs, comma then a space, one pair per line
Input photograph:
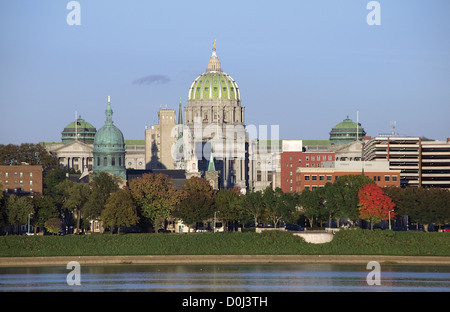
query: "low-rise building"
312, 178
23, 179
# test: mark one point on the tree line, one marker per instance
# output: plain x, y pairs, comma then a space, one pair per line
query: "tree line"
152, 199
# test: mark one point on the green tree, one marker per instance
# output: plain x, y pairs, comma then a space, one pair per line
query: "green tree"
120, 210
313, 204
227, 202
45, 210
278, 205
102, 186
53, 225
155, 196
197, 204
252, 204
74, 197
34, 154
19, 209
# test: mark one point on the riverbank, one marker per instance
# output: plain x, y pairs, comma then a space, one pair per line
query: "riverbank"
266, 244
220, 259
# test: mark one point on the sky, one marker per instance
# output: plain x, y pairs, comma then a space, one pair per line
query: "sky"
301, 65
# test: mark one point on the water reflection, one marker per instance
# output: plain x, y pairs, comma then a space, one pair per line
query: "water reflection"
227, 278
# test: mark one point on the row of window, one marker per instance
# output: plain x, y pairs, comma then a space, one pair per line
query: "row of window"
20, 174
321, 177
313, 158
6, 182
113, 161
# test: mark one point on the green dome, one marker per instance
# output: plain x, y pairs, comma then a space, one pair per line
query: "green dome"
214, 85
109, 148
346, 132
80, 130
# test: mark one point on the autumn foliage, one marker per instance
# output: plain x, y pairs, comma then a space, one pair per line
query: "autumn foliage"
374, 204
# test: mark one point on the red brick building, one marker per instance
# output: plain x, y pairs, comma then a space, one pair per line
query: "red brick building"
21, 179
290, 161
312, 178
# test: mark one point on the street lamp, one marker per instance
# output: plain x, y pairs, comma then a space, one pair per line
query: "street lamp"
390, 218
215, 220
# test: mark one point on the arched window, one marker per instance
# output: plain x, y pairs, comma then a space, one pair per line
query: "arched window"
105, 161
113, 161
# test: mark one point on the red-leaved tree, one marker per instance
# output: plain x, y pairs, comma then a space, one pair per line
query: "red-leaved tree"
374, 204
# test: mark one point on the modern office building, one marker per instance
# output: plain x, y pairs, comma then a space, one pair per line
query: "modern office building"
422, 163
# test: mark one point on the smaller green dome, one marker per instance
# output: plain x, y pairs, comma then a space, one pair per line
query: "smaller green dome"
78, 130
346, 132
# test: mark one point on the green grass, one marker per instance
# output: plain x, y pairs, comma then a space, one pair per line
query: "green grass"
350, 242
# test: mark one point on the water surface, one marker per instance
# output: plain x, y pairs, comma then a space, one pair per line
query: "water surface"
228, 278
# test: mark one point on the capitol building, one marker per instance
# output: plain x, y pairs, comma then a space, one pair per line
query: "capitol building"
207, 138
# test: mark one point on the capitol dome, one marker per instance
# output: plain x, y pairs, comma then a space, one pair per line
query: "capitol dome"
214, 83
109, 147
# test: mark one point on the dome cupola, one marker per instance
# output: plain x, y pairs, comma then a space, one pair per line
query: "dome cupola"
109, 147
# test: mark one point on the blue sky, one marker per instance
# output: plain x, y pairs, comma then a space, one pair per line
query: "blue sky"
302, 65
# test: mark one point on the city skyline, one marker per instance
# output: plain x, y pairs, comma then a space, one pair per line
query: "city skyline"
302, 65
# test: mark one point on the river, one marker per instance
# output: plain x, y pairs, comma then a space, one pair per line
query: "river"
228, 278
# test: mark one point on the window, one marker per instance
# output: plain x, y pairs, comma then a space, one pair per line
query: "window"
318, 157
105, 161
329, 157
113, 161
306, 177
306, 187
290, 157
314, 178
322, 178
290, 173
299, 160
386, 178
394, 178
290, 181
307, 158
258, 175
290, 188
31, 174
312, 158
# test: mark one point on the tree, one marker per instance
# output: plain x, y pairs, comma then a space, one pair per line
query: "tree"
227, 202
155, 196
53, 225
34, 154
18, 209
345, 195
45, 210
74, 197
313, 204
120, 210
374, 205
102, 186
197, 204
278, 205
252, 204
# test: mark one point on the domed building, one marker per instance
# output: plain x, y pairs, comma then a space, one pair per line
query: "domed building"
346, 132
109, 148
214, 118
79, 130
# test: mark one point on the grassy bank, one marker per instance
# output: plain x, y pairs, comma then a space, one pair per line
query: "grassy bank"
350, 242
